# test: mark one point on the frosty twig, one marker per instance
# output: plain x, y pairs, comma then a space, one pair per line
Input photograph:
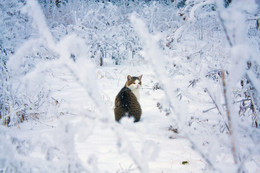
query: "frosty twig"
230, 129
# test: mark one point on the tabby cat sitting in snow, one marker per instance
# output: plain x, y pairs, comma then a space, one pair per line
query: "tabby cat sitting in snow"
127, 100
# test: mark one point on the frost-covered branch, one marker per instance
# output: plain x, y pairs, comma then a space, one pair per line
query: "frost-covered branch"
230, 122
157, 59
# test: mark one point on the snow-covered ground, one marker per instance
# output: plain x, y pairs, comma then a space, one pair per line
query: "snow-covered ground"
163, 150
150, 135
166, 154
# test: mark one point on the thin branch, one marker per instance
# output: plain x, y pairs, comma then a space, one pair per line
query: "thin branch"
215, 103
225, 29
229, 118
207, 110
254, 110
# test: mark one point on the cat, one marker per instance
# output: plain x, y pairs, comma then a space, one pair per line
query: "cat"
127, 100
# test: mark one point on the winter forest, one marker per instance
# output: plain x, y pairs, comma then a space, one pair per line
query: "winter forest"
64, 61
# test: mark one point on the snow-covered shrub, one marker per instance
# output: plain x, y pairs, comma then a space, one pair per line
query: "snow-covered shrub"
105, 25
15, 27
30, 70
212, 43
207, 47
28, 94
22, 97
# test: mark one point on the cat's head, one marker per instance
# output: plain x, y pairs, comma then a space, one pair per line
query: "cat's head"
134, 82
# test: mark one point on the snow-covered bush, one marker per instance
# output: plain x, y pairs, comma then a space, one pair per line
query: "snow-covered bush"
15, 29
105, 25
211, 51
30, 70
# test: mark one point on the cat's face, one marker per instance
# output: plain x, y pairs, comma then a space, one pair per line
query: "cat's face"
134, 82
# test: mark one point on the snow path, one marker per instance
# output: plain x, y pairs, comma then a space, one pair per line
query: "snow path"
96, 144
166, 155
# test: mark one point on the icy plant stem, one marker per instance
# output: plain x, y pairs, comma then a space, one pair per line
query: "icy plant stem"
254, 111
230, 129
225, 30
217, 106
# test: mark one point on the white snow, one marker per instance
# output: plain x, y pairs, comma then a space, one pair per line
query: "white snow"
52, 76
97, 145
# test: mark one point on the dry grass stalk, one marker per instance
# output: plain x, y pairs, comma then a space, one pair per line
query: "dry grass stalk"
230, 129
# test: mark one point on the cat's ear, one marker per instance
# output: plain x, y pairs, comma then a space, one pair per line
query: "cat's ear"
129, 78
140, 77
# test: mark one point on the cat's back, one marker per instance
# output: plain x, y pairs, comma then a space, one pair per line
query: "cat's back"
126, 104
124, 98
